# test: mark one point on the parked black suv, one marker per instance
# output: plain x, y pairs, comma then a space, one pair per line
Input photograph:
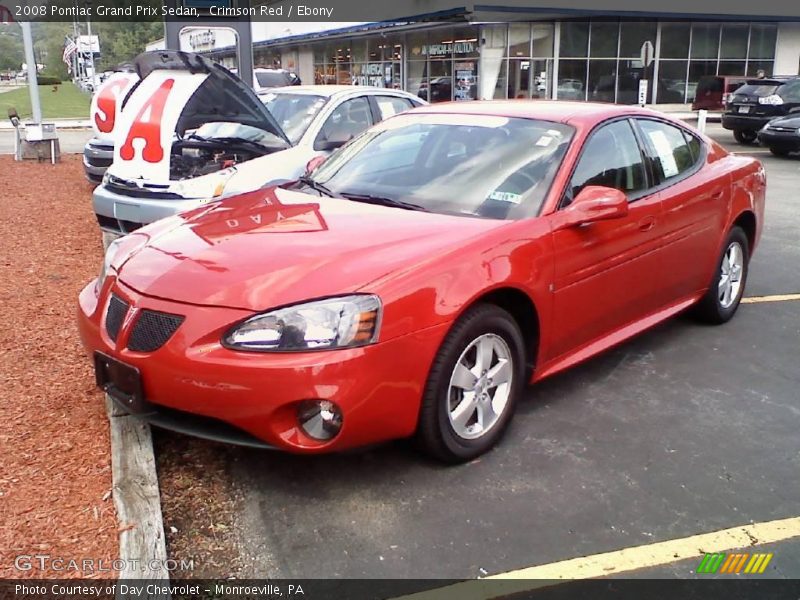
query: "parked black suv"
757, 102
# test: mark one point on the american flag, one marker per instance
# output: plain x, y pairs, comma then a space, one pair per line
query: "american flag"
70, 48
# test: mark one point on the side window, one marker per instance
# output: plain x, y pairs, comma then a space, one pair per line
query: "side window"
348, 120
694, 145
391, 105
610, 158
671, 152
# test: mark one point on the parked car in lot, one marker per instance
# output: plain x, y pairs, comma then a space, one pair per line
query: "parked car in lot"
265, 79
229, 140
757, 102
713, 91
415, 281
98, 154
782, 135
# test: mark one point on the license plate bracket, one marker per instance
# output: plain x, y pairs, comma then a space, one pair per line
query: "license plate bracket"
121, 381
744, 109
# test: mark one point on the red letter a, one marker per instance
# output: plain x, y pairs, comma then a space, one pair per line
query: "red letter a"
149, 130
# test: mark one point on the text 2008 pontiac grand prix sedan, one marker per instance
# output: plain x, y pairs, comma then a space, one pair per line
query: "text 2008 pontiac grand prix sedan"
417, 280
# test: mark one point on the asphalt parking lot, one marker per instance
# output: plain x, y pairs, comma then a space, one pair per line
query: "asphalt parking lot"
685, 430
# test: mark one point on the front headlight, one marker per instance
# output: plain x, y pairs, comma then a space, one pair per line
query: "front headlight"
205, 187
111, 253
772, 99
343, 322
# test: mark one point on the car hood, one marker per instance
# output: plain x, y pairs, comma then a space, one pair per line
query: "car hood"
221, 97
788, 121
274, 247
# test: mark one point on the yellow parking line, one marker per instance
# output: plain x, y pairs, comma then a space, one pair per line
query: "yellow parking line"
618, 561
774, 298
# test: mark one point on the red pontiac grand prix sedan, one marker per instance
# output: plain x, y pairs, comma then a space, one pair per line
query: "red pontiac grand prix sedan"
417, 280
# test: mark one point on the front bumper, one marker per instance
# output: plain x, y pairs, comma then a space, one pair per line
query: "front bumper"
781, 140
737, 122
120, 214
378, 387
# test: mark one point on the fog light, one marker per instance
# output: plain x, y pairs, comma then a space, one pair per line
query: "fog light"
320, 419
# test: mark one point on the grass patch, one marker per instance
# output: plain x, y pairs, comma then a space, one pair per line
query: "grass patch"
64, 101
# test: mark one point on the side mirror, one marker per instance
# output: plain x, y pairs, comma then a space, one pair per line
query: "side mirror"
594, 203
314, 163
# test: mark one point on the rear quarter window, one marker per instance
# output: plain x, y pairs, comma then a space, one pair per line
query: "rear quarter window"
673, 151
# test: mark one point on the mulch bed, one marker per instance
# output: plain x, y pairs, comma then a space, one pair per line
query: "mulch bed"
55, 465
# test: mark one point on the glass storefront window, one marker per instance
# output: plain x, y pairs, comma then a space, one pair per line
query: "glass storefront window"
754, 66
358, 51
734, 41
501, 86
698, 69
604, 40
762, 40
629, 72
519, 40
602, 80
574, 39
705, 40
675, 40
542, 34
572, 79
731, 67
519, 77
632, 35
672, 81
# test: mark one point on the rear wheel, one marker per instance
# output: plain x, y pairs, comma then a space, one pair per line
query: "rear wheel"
745, 136
727, 286
474, 384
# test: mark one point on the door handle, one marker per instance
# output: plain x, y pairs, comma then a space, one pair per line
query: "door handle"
717, 195
647, 223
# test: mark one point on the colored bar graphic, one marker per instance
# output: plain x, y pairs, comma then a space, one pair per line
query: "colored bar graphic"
720, 562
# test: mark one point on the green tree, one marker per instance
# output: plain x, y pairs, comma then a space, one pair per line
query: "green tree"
10, 47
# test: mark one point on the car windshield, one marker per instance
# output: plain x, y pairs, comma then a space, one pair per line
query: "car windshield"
219, 130
271, 79
750, 89
293, 112
485, 166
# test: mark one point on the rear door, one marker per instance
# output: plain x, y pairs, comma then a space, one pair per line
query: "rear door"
694, 197
606, 273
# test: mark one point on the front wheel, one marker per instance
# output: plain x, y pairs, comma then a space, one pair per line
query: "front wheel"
745, 136
473, 386
778, 151
727, 286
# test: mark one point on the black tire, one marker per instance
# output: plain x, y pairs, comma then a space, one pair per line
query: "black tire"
778, 151
435, 433
710, 308
745, 136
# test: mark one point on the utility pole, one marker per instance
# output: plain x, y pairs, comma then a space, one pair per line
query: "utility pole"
30, 59
91, 49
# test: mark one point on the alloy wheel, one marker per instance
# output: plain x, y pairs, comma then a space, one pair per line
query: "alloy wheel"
730, 280
480, 386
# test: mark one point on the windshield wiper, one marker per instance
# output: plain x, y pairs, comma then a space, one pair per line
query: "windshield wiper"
316, 186
380, 200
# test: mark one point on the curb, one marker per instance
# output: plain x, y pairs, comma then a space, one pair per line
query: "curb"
142, 544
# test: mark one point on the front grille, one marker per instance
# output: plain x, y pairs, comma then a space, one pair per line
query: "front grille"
152, 330
117, 226
96, 161
117, 308
126, 187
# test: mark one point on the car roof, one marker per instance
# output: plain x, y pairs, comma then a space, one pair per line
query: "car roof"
563, 111
333, 90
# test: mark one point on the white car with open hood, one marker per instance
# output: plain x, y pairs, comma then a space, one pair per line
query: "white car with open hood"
190, 132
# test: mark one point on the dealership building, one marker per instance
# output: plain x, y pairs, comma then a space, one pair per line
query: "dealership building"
520, 51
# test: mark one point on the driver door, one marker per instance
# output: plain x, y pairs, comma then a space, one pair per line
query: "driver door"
605, 273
